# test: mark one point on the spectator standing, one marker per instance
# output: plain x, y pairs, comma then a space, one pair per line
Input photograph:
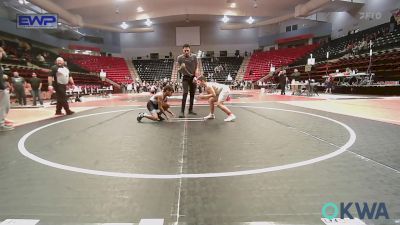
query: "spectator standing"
4, 98
36, 85
18, 85
295, 78
282, 81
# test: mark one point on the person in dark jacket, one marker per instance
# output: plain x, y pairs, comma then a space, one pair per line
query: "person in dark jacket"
36, 84
282, 81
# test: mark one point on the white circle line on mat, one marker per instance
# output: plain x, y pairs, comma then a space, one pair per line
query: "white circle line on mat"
25, 152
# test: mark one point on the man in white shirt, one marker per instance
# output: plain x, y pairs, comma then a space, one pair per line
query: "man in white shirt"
59, 76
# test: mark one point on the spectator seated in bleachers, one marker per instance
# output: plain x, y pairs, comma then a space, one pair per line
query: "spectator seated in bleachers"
261, 63
218, 69
40, 58
356, 42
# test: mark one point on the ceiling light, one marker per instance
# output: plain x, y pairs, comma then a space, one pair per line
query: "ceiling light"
250, 20
233, 5
225, 19
148, 22
139, 9
124, 25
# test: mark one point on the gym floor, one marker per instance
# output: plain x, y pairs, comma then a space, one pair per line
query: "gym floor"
278, 163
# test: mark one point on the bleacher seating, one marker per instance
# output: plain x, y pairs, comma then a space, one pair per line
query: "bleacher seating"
115, 67
16, 55
385, 66
389, 41
49, 59
11, 48
339, 47
230, 66
385, 60
260, 62
154, 69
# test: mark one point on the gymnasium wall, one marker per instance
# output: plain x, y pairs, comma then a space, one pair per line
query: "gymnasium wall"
212, 38
378, 13
301, 23
320, 29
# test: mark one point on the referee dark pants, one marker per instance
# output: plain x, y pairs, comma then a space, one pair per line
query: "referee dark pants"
188, 87
20, 94
62, 99
283, 88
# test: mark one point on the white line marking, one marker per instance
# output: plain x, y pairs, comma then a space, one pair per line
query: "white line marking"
151, 222
188, 118
371, 160
176, 120
345, 221
181, 162
349, 151
264, 223
25, 152
116, 224
19, 222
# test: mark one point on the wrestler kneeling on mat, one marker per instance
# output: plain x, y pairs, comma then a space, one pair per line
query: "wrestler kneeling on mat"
215, 93
158, 105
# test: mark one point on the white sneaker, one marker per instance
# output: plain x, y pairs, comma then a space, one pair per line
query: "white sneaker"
210, 116
230, 118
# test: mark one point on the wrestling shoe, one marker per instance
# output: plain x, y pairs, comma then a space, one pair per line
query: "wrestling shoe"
140, 117
210, 116
230, 118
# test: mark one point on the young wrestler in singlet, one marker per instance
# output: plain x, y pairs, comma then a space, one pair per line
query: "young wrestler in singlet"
158, 105
216, 93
